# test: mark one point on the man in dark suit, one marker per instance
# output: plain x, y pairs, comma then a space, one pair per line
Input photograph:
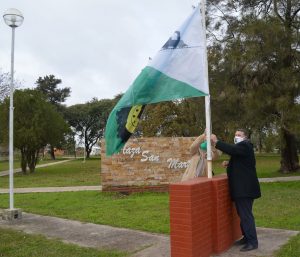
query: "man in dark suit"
243, 183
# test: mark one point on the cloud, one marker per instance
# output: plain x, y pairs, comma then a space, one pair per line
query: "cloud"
96, 47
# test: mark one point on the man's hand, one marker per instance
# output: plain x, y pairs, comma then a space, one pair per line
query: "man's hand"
225, 164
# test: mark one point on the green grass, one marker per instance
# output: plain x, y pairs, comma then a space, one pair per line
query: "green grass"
279, 207
77, 173
72, 173
4, 165
291, 249
147, 211
267, 166
19, 244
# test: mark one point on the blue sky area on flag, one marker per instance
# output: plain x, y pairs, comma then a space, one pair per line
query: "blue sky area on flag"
96, 47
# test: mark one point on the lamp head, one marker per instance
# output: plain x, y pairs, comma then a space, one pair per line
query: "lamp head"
13, 18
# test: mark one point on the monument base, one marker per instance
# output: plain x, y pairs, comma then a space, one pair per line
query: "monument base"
12, 214
203, 218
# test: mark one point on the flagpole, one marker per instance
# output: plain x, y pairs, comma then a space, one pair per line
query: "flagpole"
207, 98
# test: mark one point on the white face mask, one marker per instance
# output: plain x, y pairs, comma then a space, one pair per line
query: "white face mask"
238, 139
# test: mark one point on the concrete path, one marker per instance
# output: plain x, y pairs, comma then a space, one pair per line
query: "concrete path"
270, 240
279, 179
99, 188
52, 189
6, 172
137, 243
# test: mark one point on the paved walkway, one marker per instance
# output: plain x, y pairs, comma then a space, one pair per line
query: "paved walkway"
279, 179
99, 188
52, 189
139, 244
6, 172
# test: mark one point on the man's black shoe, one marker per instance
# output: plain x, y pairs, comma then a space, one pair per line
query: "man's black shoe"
248, 247
242, 241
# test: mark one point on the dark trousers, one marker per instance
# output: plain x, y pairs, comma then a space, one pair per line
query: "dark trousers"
244, 210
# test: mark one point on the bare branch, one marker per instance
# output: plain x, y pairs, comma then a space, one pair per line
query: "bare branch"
276, 11
224, 17
214, 36
295, 13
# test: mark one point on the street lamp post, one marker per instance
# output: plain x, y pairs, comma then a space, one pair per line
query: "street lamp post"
13, 18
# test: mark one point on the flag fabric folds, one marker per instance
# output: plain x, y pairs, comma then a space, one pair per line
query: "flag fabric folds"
177, 71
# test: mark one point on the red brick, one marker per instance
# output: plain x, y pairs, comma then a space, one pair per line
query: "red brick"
202, 217
181, 252
181, 242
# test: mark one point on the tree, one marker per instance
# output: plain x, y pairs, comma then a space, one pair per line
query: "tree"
69, 144
5, 85
48, 86
36, 123
185, 117
159, 120
191, 116
89, 120
258, 68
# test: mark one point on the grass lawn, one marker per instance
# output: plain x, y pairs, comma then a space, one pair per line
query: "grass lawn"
147, 211
291, 249
278, 208
72, 173
4, 165
77, 173
19, 244
267, 166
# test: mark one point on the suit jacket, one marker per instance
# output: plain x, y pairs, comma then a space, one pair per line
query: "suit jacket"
241, 169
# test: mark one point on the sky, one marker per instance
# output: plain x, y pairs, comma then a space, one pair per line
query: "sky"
96, 47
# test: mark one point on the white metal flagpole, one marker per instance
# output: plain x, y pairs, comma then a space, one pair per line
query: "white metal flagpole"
11, 126
207, 98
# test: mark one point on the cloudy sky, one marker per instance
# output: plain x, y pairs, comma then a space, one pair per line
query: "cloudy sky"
97, 47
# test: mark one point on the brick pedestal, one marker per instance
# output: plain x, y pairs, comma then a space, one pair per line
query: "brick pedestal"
203, 218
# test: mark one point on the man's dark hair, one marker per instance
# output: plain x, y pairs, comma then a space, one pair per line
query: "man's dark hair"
246, 133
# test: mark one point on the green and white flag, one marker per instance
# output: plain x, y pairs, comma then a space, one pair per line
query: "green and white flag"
177, 71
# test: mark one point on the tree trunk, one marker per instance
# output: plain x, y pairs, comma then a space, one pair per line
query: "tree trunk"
260, 145
37, 153
289, 157
29, 161
74, 147
32, 160
88, 152
23, 161
88, 149
52, 154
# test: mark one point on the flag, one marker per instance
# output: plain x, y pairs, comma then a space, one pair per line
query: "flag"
177, 71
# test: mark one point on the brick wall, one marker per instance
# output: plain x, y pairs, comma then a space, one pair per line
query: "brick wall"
203, 219
145, 164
